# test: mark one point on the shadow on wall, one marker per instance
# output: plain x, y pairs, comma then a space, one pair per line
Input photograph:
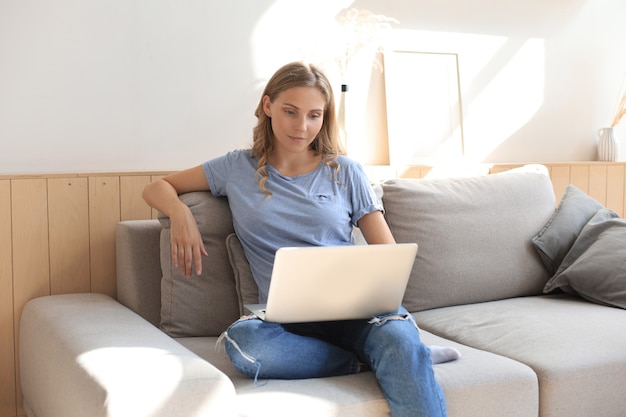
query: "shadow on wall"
524, 89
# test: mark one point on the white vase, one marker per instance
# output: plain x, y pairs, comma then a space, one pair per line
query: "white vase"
608, 145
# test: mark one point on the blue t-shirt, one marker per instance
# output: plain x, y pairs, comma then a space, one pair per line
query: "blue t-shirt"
312, 209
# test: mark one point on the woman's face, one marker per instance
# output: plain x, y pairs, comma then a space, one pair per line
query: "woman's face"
297, 116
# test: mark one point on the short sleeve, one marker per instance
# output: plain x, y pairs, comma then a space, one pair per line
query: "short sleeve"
220, 170
362, 195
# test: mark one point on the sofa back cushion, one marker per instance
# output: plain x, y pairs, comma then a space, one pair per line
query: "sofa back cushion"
474, 235
203, 305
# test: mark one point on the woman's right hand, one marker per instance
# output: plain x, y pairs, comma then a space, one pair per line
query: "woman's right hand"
186, 243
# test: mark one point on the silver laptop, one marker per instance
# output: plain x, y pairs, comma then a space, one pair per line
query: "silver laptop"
326, 283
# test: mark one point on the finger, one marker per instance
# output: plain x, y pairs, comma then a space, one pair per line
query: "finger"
197, 251
181, 260
188, 261
175, 255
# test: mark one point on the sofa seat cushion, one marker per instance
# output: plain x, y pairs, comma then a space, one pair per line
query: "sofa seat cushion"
480, 384
575, 347
474, 235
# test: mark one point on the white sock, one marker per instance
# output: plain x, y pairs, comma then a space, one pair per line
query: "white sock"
441, 354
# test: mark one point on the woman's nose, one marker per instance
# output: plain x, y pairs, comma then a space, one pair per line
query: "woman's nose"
301, 124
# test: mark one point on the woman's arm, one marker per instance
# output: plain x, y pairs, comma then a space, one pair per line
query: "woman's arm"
163, 194
186, 241
375, 229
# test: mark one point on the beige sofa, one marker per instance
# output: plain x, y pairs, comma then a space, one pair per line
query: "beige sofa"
488, 247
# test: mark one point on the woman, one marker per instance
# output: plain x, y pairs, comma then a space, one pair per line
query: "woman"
295, 187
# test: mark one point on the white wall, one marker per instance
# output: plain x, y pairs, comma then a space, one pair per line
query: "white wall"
117, 85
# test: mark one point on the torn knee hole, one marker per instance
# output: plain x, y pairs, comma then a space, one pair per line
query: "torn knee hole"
379, 321
256, 363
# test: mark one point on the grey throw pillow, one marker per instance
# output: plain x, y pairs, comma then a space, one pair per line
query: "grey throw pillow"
202, 305
247, 290
556, 238
595, 266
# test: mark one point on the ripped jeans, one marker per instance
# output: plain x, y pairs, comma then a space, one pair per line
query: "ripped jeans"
388, 344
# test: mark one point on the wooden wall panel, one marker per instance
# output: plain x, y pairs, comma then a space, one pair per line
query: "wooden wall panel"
413, 172
29, 200
132, 204
155, 213
579, 176
560, 176
68, 214
597, 182
616, 189
31, 264
7, 340
604, 181
502, 167
104, 214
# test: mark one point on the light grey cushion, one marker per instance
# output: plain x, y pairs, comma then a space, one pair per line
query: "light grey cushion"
595, 266
575, 347
247, 290
203, 305
481, 384
556, 238
474, 235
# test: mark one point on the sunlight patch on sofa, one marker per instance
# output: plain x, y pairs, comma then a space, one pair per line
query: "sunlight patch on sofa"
133, 381
265, 399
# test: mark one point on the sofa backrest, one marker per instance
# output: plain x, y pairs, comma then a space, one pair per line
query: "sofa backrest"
474, 235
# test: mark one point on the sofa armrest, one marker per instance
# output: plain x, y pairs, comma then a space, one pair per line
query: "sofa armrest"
87, 355
138, 259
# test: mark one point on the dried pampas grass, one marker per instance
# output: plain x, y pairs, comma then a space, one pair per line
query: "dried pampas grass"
621, 107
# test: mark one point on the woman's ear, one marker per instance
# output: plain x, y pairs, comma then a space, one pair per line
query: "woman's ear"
266, 105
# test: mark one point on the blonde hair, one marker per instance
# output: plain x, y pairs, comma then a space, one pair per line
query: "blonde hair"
296, 74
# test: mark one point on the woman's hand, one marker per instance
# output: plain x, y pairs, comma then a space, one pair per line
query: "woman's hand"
186, 243
185, 239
